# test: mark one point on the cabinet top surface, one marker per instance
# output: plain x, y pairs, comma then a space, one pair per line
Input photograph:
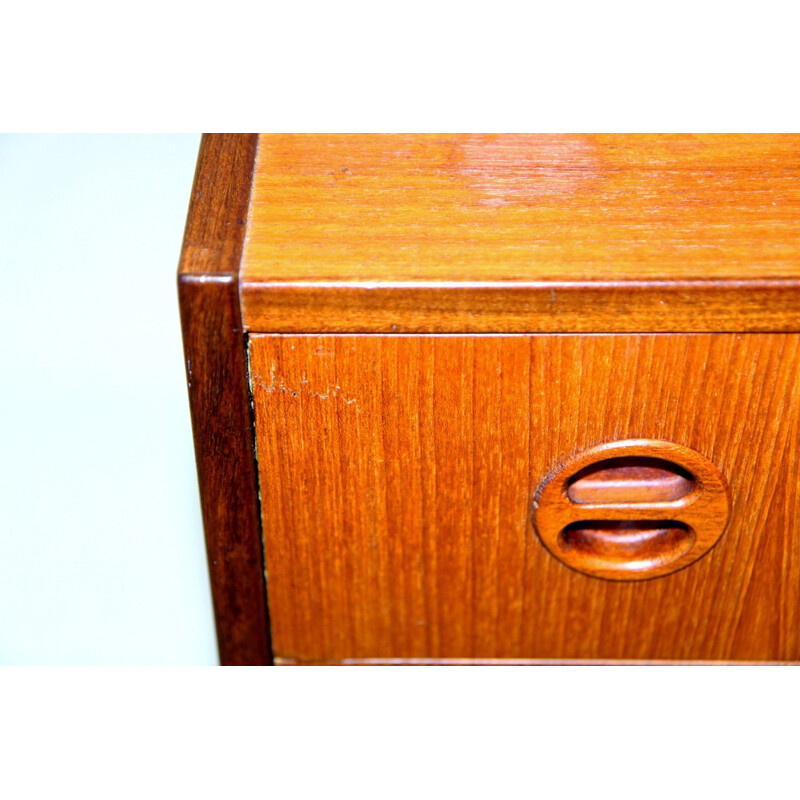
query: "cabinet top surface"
523, 207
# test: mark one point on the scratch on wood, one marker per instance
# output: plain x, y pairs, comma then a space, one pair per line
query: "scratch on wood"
277, 384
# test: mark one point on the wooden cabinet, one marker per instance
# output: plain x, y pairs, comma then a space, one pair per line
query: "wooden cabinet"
521, 398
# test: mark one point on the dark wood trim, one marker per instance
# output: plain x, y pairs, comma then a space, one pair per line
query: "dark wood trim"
215, 225
216, 368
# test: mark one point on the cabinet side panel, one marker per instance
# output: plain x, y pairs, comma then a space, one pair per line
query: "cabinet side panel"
397, 474
216, 366
216, 369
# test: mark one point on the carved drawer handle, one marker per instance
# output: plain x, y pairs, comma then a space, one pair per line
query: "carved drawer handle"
632, 510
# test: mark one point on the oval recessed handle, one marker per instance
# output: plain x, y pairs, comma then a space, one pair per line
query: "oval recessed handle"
630, 480
631, 510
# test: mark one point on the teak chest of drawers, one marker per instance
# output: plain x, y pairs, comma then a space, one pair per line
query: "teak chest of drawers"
497, 398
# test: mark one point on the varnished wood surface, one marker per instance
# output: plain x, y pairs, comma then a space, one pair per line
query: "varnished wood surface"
502, 662
630, 480
397, 474
215, 225
524, 207
732, 306
523, 233
216, 367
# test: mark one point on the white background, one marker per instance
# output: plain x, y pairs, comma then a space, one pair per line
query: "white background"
102, 558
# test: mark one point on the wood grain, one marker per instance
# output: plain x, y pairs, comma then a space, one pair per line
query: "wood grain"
729, 306
397, 474
501, 662
216, 367
523, 233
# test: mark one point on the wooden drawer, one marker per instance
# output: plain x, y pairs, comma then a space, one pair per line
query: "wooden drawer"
511, 399
397, 476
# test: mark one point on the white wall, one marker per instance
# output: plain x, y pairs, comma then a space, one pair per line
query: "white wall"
102, 558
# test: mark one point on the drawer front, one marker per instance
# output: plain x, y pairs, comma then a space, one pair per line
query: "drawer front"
397, 478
